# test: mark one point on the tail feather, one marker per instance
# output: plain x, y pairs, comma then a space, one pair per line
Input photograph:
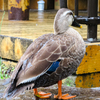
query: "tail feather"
13, 91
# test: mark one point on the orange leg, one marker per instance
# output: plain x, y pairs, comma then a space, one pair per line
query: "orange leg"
41, 95
64, 96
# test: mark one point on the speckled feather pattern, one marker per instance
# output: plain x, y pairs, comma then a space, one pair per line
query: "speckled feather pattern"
31, 70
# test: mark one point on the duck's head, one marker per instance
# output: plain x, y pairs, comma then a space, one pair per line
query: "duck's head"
63, 19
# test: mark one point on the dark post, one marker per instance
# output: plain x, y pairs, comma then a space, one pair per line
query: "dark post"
92, 12
18, 9
63, 3
76, 7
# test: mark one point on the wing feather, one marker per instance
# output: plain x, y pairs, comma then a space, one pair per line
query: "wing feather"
30, 51
41, 62
38, 58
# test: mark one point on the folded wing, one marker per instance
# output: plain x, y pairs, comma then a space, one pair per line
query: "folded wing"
36, 66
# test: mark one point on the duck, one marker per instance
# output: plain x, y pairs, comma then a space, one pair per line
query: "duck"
49, 59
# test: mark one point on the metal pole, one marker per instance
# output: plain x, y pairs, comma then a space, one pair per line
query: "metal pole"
18, 9
63, 3
92, 12
76, 7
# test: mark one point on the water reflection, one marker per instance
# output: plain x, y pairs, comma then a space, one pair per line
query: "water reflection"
40, 15
40, 23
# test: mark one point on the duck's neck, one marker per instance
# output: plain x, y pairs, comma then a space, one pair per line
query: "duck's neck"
61, 30
59, 27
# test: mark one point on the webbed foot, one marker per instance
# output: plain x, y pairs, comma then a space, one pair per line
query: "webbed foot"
60, 95
64, 96
42, 95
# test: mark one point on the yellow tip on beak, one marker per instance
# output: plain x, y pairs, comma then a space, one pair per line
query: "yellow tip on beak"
80, 26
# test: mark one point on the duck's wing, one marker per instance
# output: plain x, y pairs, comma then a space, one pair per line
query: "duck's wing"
36, 66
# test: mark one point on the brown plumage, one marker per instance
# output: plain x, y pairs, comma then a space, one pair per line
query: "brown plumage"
65, 44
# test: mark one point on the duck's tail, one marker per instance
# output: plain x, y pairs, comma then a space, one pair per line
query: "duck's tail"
12, 91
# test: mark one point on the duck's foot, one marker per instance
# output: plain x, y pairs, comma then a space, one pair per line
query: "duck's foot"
42, 95
64, 96
60, 95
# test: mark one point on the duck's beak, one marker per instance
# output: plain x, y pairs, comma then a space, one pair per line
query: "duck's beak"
75, 24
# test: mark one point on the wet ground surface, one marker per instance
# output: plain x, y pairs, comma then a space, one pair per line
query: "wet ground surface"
81, 94
39, 23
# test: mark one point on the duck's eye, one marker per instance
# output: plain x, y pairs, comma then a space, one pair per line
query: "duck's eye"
70, 13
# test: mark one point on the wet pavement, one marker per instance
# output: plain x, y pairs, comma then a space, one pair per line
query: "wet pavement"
81, 94
39, 23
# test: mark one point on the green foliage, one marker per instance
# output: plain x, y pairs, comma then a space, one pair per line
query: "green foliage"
5, 71
69, 81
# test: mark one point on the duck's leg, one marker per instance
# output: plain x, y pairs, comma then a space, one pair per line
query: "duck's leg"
60, 95
41, 94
